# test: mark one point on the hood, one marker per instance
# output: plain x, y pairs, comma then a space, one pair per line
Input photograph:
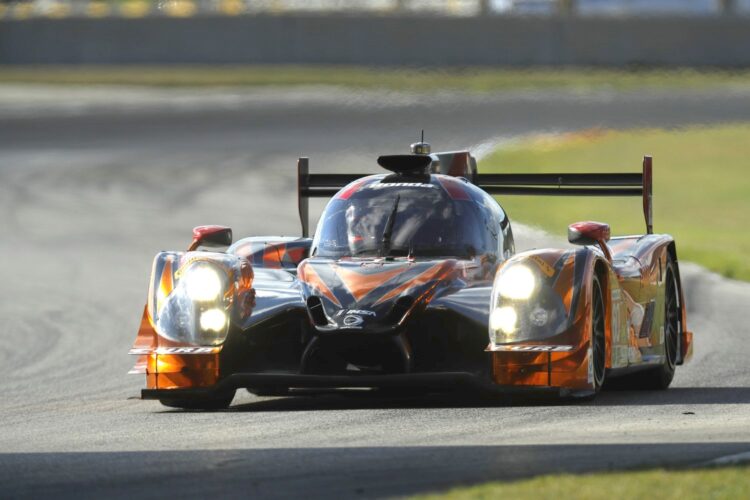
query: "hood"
372, 295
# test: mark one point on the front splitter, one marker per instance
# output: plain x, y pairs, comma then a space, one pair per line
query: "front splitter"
429, 382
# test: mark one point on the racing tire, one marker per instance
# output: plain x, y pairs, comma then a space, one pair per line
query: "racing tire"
219, 402
598, 335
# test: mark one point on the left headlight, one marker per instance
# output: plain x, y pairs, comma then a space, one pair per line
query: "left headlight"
203, 283
213, 320
517, 283
197, 310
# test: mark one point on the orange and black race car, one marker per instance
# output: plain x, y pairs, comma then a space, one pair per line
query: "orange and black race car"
412, 282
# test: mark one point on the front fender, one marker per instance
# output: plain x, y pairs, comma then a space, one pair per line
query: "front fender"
562, 295
556, 353
192, 357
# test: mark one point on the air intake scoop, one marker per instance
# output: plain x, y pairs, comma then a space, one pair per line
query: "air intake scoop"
406, 164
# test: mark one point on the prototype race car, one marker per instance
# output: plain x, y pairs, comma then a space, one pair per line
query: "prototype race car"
408, 274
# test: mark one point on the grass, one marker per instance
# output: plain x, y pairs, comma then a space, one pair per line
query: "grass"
464, 79
717, 484
701, 187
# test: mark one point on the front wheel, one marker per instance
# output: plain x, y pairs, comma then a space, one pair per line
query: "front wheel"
218, 402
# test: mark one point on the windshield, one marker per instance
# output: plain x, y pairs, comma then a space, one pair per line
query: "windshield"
397, 220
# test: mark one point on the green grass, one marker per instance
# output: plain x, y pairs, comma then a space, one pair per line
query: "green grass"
729, 483
467, 79
701, 187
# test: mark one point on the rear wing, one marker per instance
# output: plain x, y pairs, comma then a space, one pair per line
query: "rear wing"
588, 184
317, 186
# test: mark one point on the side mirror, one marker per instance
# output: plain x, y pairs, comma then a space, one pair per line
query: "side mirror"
590, 233
211, 236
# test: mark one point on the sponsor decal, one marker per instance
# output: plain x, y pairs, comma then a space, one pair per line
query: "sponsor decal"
187, 350
542, 265
140, 351
353, 321
384, 185
533, 348
358, 312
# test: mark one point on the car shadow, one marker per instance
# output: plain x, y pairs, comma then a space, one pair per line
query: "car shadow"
363, 401
332, 471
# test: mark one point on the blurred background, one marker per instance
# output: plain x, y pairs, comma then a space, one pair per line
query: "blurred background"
58, 8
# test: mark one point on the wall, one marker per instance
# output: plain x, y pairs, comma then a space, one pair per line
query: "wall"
369, 40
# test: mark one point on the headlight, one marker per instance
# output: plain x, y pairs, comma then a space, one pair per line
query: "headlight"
539, 317
517, 283
213, 320
196, 312
203, 283
504, 319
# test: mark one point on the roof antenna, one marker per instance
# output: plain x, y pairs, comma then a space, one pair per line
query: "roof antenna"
421, 148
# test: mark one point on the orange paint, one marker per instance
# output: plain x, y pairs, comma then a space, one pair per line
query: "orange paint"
308, 274
360, 284
171, 371
436, 272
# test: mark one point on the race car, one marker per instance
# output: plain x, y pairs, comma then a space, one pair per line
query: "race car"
412, 283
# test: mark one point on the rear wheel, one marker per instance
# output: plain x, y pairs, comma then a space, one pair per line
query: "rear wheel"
598, 336
219, 402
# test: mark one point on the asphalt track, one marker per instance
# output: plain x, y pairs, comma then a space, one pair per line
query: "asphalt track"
93, 183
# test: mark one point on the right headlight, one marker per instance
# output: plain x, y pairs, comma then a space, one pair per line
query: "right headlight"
524, 306
504, 319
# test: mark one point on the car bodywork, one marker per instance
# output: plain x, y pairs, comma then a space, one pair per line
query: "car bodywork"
276, 314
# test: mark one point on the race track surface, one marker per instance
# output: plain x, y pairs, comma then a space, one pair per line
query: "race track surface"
93, 183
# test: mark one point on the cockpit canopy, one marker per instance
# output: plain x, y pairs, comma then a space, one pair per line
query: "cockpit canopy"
380, 217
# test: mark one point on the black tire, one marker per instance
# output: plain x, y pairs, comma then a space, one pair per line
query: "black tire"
598, 335
219, 402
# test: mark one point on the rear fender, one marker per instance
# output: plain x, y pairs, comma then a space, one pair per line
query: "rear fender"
273, 252
651, 253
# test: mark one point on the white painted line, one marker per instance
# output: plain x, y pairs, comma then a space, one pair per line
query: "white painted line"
737, 459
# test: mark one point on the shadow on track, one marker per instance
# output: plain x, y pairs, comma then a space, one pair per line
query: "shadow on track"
676, 396
335, 471
369, 401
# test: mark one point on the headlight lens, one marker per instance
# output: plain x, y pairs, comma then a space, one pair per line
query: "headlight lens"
197, 310
504, 319
203, 283
517, 283
539, 317
213, 320
524, 306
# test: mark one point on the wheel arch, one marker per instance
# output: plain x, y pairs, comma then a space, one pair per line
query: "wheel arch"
601, 269
685, 340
